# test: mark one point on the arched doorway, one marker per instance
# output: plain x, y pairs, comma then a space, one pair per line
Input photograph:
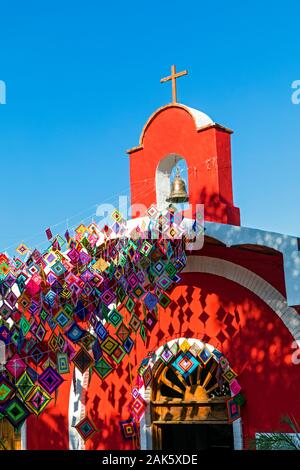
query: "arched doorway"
188, 400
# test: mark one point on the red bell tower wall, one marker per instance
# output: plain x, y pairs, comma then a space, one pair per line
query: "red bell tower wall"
174, 129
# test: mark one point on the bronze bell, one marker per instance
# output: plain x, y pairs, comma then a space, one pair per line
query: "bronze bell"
178, 190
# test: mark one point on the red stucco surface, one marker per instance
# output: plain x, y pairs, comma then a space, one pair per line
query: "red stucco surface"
208, 157
210, 308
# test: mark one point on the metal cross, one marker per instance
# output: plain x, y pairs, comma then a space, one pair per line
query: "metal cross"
173, 77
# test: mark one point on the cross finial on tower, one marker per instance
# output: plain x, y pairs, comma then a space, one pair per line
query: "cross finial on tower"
173, 77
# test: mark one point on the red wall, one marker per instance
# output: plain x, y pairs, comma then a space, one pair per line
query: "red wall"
208, 156
207, 307
49, 431
239, 324
214, 310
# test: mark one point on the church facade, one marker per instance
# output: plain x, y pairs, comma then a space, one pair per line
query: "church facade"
219, 364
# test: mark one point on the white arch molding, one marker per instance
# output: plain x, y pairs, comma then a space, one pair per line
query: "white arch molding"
258, 286
238, 274
251, 281
146, 424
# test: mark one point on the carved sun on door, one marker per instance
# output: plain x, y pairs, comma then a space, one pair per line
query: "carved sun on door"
198, 396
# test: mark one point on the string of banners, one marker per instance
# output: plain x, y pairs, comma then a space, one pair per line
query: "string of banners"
63, 305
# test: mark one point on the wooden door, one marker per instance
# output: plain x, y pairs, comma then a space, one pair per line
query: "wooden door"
9, 438
197, 399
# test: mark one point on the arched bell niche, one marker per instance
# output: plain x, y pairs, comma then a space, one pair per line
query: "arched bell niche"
165, 173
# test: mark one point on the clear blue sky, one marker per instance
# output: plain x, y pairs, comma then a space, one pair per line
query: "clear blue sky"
83, 77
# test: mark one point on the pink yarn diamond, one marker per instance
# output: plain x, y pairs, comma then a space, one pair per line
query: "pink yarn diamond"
15, 366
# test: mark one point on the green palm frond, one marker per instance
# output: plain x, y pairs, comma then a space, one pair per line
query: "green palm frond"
278, 441
281, 440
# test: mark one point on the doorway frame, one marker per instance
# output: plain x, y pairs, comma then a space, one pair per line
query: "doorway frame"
157, 428
146, 425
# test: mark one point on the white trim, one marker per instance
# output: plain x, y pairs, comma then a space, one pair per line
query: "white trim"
232, 235
76, 410
237, 434
24, 436
145, 423
201, 119
251, 281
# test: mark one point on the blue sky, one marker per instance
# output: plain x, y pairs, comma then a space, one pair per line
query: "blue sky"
83, 77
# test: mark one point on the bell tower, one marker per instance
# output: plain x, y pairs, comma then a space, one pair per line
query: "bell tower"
176, 132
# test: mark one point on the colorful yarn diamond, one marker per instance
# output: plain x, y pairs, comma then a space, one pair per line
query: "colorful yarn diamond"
128, 429
102, 368
147, 377
128, 344
166, 355
4, 334
118, 354
185, 363
75, 333
101, 331
115, 318
205, 355
137, 407
135, 322
15, 412
82, 360
164, 300
6, 389
109, 345
122, 332
24, 385
233, 410
37, 400
15, 366
50, 380
86, 429
239, 399
229, 375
